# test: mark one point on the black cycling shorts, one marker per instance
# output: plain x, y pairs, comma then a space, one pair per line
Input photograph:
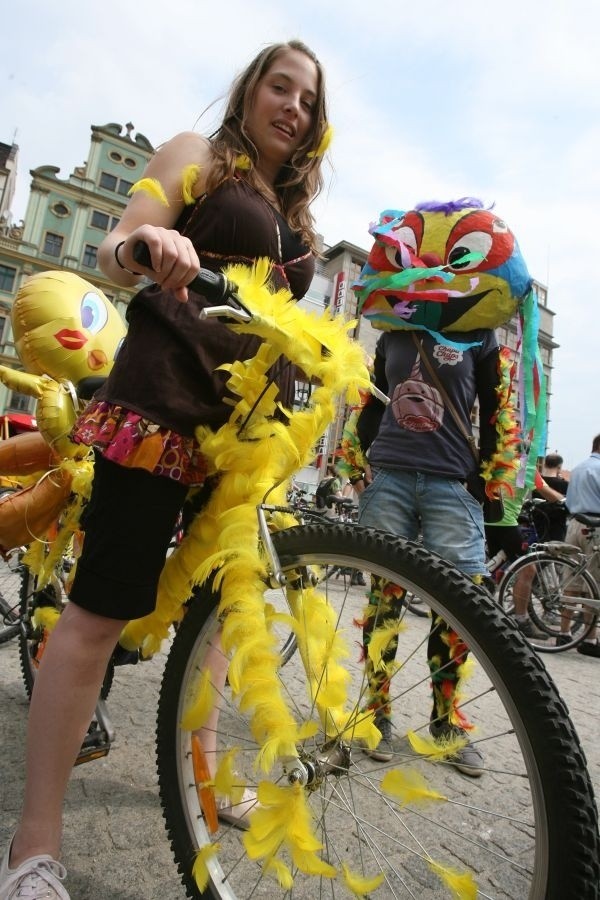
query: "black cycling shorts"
128, 525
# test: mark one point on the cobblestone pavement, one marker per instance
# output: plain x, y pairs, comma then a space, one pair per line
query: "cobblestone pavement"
115, 845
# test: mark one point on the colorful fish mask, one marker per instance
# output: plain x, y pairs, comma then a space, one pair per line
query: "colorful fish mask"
442, 268
65, 327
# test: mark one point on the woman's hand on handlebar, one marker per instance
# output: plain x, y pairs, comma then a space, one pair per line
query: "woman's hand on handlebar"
174, 260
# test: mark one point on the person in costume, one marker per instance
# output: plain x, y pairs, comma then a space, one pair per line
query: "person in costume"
437, 280
241, 194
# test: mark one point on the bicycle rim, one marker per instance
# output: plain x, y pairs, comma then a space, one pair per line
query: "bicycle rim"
557, 584
527, 828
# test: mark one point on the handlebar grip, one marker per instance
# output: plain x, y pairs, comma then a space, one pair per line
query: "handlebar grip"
212, 285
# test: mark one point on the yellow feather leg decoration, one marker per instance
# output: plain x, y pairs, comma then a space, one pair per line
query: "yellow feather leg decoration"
380, 640
198, 712
360, 886
152, 187
200, 870
436, 750
462, 884
409, 786
283, 820
281, 871
189, 177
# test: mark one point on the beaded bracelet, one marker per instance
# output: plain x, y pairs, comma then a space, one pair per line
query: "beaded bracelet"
120, 264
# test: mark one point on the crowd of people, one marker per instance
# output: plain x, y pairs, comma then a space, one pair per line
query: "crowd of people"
254, 180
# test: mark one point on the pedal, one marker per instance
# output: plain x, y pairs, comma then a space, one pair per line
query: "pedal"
96, 744
123, 657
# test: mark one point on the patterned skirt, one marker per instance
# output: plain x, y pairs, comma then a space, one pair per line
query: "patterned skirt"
126, 438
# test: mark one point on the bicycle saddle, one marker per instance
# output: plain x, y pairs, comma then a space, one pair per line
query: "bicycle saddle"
592, 520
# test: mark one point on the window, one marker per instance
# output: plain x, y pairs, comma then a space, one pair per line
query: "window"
108, 181
53, 244
114, 222
116, 157
90, 255
124, 186
60, 209
129, 162
112, 183
99, 220
7, 278
19, 402
3, 320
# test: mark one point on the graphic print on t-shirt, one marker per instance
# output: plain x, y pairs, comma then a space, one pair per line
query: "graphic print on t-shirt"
418, 405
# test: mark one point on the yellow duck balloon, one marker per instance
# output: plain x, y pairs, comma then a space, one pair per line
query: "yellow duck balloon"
65, 330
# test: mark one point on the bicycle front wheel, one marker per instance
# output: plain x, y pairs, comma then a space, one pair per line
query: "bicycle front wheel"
526, 829
556, 590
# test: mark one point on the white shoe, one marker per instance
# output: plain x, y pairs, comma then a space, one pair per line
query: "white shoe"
38, 878
238, 814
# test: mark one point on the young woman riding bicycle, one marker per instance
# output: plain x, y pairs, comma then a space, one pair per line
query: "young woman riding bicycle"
241, 194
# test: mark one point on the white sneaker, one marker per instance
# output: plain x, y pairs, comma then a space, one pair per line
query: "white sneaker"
38, 878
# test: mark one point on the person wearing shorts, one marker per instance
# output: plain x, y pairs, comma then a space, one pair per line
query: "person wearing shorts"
239, 195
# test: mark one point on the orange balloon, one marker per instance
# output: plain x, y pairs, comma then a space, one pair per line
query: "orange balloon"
26, 453
28, 514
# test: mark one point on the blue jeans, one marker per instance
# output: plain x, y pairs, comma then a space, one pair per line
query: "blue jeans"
450, 522
439, 510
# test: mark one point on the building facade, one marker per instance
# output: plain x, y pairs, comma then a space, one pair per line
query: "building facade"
64, 224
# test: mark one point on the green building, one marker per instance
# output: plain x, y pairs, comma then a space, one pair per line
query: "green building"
65, 223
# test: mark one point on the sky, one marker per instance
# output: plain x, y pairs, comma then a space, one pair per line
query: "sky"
433, 100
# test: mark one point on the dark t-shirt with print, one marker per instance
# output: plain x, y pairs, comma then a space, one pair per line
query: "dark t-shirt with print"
417, 431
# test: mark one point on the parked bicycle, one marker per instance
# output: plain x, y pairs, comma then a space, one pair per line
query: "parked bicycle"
330, 820
565, 597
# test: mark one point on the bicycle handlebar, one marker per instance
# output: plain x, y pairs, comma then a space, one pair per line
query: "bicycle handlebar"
214, 286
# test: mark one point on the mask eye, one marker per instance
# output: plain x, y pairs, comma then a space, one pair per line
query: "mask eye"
407, 236
474, 242
94, 313
403, 234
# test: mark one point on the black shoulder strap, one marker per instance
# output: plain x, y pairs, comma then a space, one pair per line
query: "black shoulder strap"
448, 402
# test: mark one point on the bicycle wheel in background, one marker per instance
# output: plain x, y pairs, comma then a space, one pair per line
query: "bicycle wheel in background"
11, 574
38, 613
559, 589
526, 829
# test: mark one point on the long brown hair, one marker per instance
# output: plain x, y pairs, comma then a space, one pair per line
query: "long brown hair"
300, 180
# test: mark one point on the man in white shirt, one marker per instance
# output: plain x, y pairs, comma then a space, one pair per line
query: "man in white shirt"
583, 496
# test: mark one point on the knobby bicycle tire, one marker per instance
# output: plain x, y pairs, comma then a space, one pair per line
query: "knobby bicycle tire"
552, 576
527, 828
10, 591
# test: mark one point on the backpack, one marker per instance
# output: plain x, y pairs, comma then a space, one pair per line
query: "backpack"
323, 490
